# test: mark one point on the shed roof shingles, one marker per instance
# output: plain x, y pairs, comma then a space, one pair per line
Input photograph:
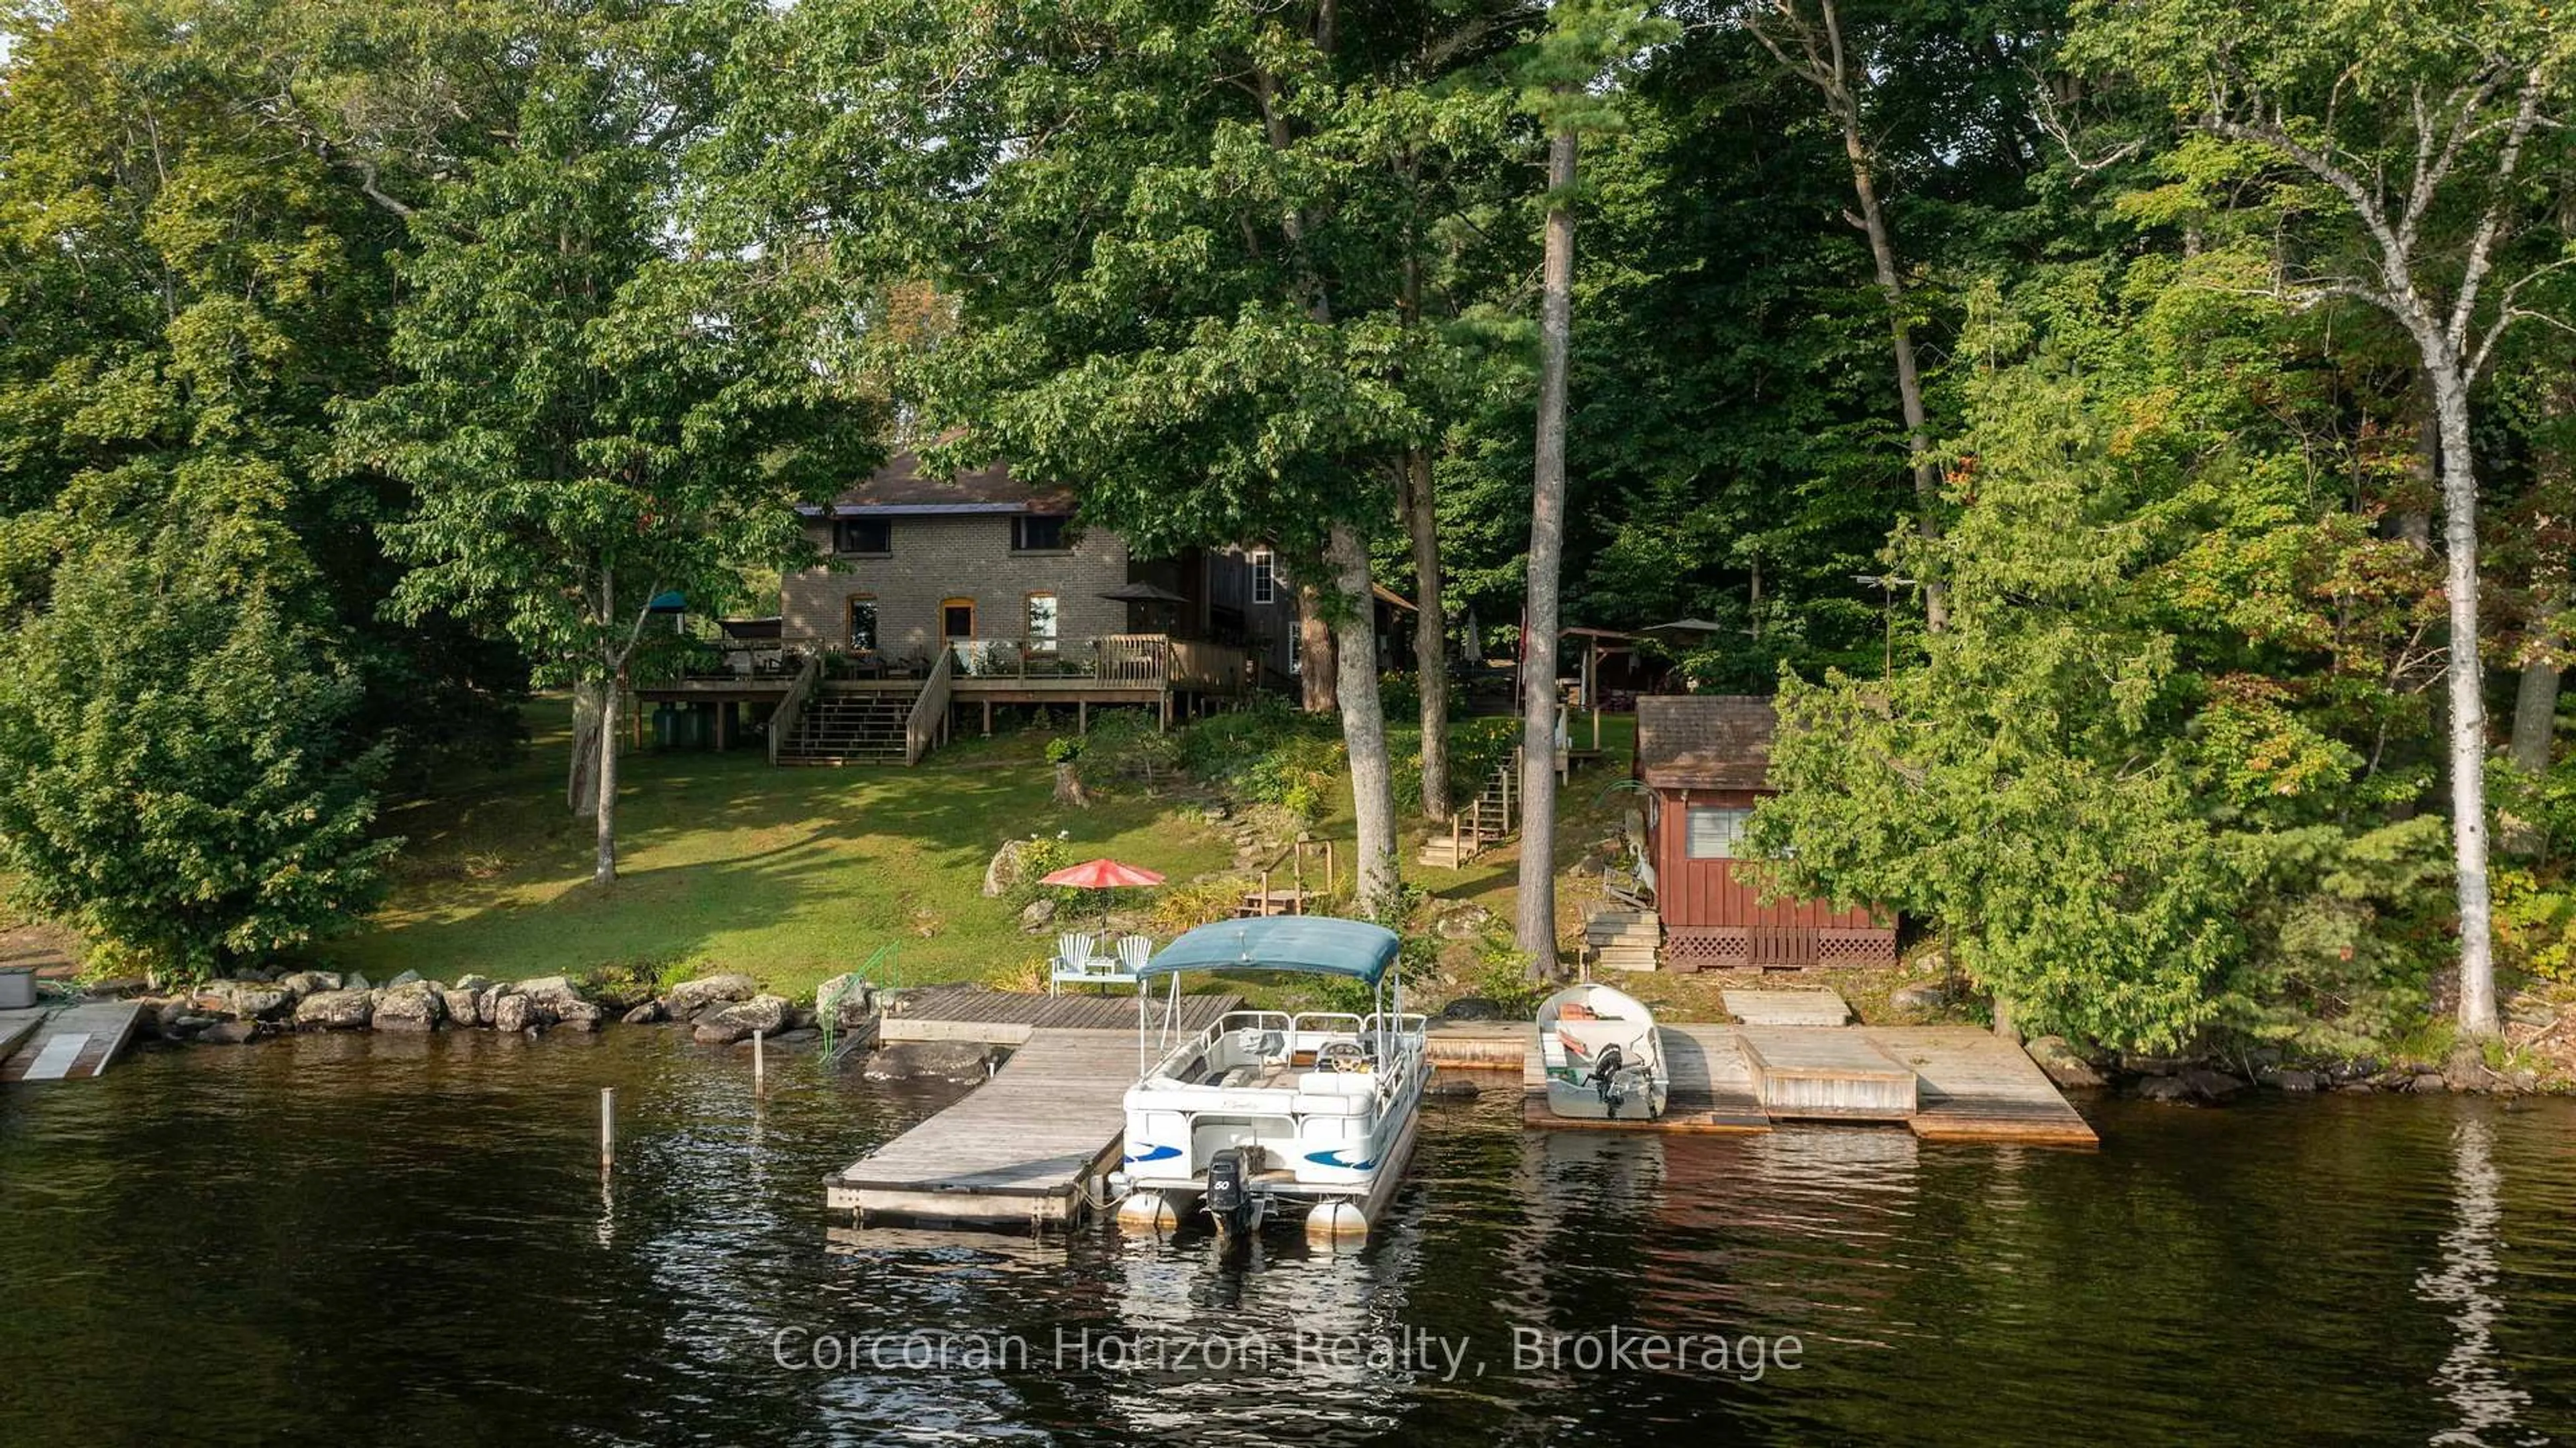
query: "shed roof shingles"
1718, 741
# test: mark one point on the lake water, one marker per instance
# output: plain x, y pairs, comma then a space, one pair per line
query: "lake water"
377, 1240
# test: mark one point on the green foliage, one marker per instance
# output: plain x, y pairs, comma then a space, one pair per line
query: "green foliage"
1502, 975
2535, 917
180, 783
1064, 749
1269, 753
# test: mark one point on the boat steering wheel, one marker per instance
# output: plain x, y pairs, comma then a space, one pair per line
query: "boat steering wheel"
1346, 1056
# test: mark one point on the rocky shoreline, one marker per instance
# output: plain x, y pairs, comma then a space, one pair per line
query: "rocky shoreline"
718, 1010
2212, 1081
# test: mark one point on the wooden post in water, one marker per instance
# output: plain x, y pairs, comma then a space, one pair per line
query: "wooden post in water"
607, 1127
759, 1059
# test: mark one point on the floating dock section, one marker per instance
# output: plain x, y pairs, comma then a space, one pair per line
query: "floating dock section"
72, 1044
1032, 1146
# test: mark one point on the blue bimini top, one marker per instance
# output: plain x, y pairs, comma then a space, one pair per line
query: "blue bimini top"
1318, 944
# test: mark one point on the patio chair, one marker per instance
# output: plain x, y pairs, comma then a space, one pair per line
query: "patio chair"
1133, 952
1072, 961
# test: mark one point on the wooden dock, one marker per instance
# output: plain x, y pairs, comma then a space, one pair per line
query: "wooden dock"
1007, 1018
1812, 1007
1028, 1148
1976, 1086
1965, 1084
73, 1044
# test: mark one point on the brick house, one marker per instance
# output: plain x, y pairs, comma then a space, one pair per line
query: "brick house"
918, 561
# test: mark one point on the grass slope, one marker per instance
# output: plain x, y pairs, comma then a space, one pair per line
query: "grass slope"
727, 863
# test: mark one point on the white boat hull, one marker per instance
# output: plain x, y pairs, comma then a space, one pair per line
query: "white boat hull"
1602, 1058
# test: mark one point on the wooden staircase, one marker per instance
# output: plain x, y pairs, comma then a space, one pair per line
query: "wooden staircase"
853, 728
1479, 825
1619, 938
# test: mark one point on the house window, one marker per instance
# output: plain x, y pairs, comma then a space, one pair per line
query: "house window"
1713, 833
1038, 533
957, 618
864, 535
1265, 582
863, 623
1042, 623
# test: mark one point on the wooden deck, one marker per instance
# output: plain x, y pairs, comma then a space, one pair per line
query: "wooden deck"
1977, 1086
1008, 1018
66, 1045
1026, 1149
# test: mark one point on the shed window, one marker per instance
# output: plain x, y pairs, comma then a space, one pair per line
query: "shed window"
865, 535
1038, 533
1265, 581
1713, 833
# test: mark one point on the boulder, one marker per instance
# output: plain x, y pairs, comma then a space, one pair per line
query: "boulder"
583, 1016
414, 1005
2427, 1083
2296, 1080
1464, 923
409, 977
230, 1033
717, 1032
357, 980
247, 1000
1920, 998
1471, 1008
848, 999
1003, 871
692, 996
472, 983
1037, 915
2210, 1085
2063, 1064
2164, 1088
550, 996
487, 1003
767, 1014
643, 1015
513, 1012
462, 1007
929, 1060
308, 982
335, 1010
190, 1027
119, 986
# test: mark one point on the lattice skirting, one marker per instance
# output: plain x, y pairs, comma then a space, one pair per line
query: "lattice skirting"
1723, 947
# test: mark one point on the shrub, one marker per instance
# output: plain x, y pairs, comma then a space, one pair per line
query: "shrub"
1267, 754
2535, 921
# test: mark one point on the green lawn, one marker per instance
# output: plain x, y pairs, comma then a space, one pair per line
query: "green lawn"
727, 863
794, 875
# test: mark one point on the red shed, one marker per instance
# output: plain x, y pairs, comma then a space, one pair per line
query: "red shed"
1706, 760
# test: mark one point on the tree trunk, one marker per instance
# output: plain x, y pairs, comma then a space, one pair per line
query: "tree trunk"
2535, 712
1068, 787
1315, 672
1891, 288
581, 777
604, 867
1430, 637
1364, 722
2468, 742
1536, 933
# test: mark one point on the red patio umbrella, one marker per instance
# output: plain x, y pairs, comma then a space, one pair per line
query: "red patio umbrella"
1101, 875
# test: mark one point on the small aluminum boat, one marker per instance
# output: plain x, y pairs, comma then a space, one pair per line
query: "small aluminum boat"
1603, 1060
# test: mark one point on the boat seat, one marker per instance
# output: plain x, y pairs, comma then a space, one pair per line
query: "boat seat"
1245, 1075
1337, 1083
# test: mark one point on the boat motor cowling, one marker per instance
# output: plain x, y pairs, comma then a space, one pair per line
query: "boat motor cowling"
1227, 1194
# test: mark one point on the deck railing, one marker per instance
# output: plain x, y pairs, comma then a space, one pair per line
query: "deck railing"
929, 718
782, 720
1142, 660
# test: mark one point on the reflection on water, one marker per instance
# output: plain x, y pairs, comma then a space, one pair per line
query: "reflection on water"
351, 1240
2470, 1375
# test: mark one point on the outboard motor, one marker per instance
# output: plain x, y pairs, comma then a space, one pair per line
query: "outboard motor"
1229, 1193
1605, 1080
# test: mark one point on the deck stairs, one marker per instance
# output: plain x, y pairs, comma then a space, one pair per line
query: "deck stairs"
1482, 823
1619, 938
851, 728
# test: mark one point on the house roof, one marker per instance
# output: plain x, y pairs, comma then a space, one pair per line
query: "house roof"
1714, 741
901, 487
